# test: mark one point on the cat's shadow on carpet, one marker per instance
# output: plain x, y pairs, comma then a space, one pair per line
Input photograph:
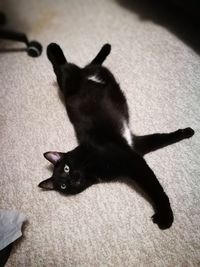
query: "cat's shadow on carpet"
183, 22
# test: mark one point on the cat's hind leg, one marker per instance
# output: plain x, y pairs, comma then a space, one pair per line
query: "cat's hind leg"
57, 59
148, 143
102, 55
55, 55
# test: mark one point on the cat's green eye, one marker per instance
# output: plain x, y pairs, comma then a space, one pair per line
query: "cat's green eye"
63, 186
66, 168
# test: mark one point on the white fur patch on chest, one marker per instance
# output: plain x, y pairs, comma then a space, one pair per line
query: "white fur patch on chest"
95, 79
126, 133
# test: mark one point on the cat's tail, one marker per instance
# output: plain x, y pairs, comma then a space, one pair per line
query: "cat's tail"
55, 55
102, 55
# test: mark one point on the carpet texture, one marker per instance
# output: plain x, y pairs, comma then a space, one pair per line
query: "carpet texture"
108, 224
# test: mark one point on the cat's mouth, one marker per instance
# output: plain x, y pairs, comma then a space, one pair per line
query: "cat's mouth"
63, 186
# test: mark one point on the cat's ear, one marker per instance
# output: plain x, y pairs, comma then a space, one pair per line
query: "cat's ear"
47, 184
53, 156
55, 54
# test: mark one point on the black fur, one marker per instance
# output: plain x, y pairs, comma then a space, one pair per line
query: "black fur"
97, 109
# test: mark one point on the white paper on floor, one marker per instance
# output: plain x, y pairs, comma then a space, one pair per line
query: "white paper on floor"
10, 226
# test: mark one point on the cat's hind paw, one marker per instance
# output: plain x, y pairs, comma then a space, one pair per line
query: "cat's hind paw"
55, 54
107, 48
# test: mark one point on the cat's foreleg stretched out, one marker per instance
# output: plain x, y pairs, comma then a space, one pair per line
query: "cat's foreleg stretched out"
149, 143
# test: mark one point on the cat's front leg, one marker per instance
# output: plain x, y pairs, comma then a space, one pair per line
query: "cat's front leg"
116, 162
147, 181
148, 143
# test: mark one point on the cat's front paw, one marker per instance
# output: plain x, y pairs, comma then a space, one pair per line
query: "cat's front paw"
164, 220
187, 132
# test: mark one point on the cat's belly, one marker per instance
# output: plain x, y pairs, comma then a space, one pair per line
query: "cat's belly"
104, 131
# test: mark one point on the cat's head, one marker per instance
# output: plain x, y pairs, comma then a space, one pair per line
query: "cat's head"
70, 173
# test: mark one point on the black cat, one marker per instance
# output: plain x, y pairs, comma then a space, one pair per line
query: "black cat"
107, 148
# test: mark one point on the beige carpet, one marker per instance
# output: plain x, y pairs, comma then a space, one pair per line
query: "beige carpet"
108, 224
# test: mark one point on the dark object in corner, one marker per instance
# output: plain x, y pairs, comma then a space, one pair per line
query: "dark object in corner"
4, 255
33, 48
191, 7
